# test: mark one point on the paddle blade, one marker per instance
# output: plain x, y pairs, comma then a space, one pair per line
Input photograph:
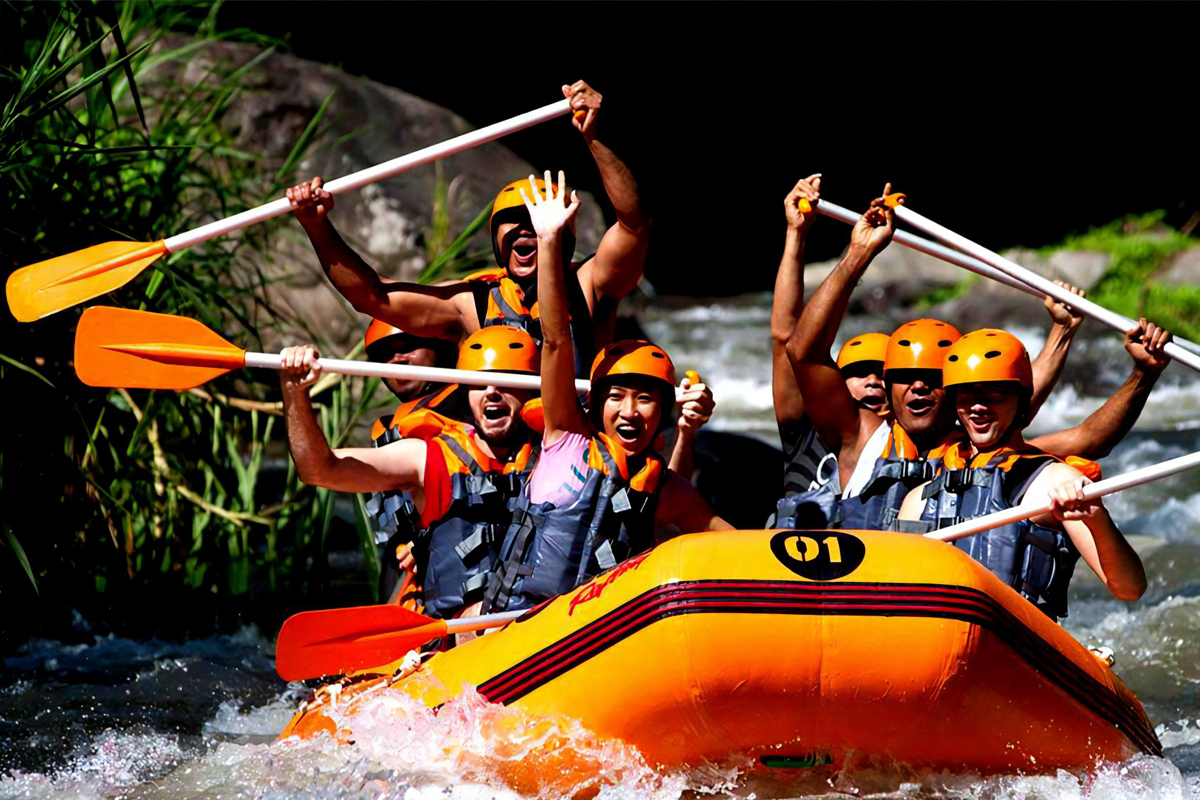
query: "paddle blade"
116, 347
313, 644
49, 286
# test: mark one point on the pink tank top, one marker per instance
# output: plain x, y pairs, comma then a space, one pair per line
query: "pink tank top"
560, 473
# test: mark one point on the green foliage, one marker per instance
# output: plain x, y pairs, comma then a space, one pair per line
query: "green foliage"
114, 130
1139, 246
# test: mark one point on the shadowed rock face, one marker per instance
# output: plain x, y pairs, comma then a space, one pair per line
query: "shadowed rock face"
366, 123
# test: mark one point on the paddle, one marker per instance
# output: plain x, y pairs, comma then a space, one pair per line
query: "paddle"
48, 286
1037, 282
116, 347
1114, 484
313, 644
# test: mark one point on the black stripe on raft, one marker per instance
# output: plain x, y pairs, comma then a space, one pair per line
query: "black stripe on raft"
822, 599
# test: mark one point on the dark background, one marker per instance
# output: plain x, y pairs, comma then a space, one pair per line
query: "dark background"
1015, 124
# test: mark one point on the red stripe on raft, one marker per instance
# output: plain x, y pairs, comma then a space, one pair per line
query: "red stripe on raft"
837, 599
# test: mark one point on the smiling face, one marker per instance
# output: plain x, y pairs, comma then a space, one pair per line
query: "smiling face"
631, 413
497, 413
518, 239
987, 412
864, 380
918, 402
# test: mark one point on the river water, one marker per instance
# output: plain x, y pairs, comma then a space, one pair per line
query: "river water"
175, 721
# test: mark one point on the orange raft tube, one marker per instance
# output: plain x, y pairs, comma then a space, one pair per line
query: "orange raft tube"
776, 644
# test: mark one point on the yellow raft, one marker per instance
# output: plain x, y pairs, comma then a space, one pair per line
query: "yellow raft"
782, 645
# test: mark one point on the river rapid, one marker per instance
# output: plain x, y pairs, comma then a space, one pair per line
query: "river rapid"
175, 721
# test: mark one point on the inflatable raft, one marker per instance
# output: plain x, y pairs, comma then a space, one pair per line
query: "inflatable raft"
795, 647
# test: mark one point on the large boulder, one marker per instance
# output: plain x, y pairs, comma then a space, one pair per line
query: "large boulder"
1181, 269
365, 123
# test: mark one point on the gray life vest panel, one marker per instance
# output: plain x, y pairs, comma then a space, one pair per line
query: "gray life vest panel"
458, 552
1037, 562
549, 550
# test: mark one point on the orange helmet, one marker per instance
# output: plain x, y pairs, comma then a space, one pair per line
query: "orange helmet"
987, 356
499, 348
378, 329
509, 200
920, 344
865, 347
634, 357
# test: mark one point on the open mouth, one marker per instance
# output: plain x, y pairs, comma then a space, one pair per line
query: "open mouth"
525, 250
979, 423
628, 434
493, 413
873, 402
920, 406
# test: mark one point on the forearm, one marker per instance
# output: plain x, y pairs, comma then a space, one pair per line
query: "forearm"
788, 301
347, 271
560, 403
306, 441
1096, 436
620, 186
813, 335
1048, 366
1117, 563
683, 454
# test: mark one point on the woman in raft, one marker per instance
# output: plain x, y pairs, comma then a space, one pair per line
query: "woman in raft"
598, 490
988, 378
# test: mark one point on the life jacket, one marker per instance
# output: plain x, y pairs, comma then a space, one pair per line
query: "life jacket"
1036, 561
393, 513
507, 305
810, 484
457, 553
897, 471
550, 549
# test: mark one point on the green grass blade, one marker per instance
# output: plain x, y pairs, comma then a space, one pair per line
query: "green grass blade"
11, 538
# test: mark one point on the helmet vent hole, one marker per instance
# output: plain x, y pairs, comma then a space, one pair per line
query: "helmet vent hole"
991, 334
991, 354
657, 355
952, 358
515, 345
904, 343
477, 346
944, 343
855, 344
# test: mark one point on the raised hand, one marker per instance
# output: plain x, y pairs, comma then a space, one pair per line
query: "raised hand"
1145, 344
809, 190
1063, 314
300, 367
552, 213
1067, 501
696, 405
585, 106
873, 231
311, 202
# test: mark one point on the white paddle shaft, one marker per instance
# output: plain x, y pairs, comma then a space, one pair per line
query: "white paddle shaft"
465, 624
378, 172
369, 369
933, 249
1114, 484
1043, 285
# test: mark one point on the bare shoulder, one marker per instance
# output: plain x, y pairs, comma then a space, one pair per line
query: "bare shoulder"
913, 503
1053, 475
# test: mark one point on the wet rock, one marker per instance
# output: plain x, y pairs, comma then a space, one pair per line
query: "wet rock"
366, 123
1181, 269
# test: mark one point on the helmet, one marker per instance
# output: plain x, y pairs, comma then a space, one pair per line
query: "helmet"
634, 357
508, 204
865, 347
378, 329
987, 356
920, 344
499, 348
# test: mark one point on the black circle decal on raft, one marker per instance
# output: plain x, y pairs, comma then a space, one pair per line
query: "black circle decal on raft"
819, 555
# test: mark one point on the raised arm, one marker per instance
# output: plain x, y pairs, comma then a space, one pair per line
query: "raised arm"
835, 417
1047, 367
788, 300
433, 311
621, 256
697, 406
1097, 435
560, 402
1091, 529
359, 469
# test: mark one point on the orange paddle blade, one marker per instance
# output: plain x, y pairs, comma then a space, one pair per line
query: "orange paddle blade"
143, 350
49, 286
313, 644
